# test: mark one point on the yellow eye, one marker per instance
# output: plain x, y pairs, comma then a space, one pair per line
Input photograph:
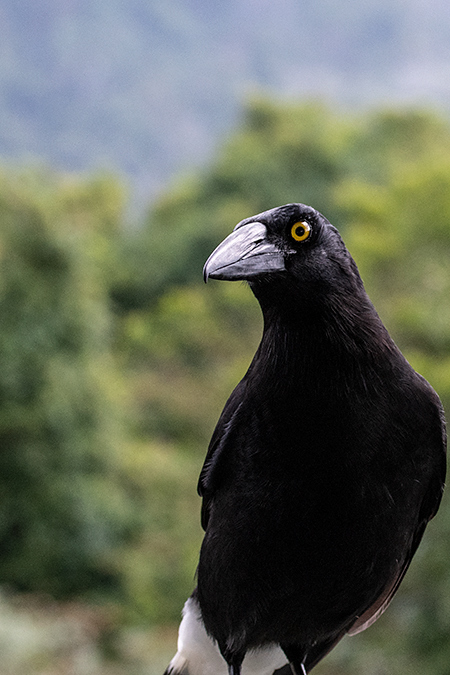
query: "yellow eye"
300, 231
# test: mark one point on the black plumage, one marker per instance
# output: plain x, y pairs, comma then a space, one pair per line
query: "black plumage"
325, 466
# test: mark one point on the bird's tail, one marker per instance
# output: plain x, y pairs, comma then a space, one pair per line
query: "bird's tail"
198, 654
174, 670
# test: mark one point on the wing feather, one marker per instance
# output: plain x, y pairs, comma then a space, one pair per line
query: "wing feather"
211, 473
429, 507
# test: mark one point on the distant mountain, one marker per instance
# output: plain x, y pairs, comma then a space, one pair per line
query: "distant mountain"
145, 87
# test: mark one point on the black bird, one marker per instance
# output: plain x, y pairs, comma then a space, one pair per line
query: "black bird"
325, 466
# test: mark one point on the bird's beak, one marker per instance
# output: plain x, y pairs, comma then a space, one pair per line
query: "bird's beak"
244, 254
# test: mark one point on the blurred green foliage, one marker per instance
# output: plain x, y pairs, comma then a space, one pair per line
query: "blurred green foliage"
116, 360
59, 478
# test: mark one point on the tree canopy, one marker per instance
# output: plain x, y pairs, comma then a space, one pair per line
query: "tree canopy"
116, 360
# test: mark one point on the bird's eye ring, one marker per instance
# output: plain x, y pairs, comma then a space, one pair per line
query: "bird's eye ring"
301, 230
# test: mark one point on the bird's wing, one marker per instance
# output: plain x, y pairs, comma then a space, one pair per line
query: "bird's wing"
370, 615
429, 507
211, 473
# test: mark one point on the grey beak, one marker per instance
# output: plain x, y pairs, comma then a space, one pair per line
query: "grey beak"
244, 254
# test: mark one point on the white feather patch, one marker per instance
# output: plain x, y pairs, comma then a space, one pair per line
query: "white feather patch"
199, 655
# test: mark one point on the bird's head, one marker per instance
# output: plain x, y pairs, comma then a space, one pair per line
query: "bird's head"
293, 245
306, 282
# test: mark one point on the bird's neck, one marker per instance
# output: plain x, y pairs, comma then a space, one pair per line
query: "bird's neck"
299, 341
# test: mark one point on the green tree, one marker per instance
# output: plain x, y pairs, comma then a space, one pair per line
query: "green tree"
97, 317
60, 517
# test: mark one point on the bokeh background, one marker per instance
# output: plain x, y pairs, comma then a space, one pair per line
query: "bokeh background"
134, 134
